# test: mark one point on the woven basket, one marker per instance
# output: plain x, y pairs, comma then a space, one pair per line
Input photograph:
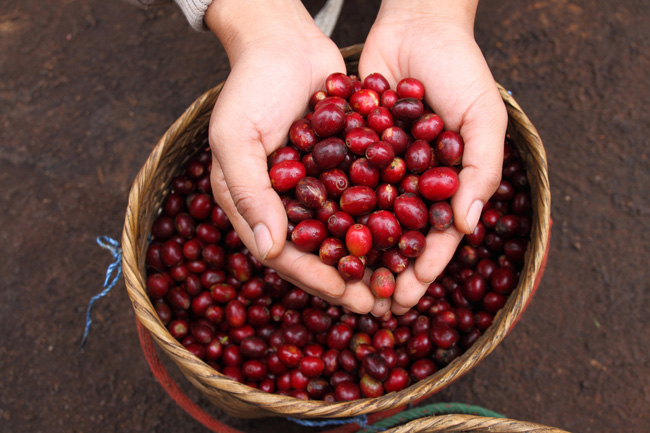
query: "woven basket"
471, 423
179, 144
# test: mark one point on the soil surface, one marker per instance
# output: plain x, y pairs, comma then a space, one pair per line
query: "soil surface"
88, 87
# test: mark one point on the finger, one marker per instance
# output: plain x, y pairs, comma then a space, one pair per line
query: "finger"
414, 281
483, 131
398, 310
408, 291
381, 306
356, 298
243, 165
306, 271
371, 61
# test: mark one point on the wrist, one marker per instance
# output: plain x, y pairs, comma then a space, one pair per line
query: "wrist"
458, 12
240, 23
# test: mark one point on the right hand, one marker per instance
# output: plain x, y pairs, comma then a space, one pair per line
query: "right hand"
279, 58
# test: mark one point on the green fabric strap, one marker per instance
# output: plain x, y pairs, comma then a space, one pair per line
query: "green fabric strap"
430, 410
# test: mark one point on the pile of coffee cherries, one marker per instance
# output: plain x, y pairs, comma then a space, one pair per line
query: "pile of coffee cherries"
249, 324
368, 171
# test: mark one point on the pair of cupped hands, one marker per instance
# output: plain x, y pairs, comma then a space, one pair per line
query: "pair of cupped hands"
279, 58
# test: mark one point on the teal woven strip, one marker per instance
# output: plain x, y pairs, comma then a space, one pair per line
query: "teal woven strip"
430, 410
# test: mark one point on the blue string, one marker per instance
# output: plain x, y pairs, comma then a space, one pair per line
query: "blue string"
361, 420
114, 268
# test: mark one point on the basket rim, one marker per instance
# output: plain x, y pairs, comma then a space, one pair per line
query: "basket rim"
145, 312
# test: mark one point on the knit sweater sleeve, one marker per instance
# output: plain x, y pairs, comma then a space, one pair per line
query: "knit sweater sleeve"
194, 10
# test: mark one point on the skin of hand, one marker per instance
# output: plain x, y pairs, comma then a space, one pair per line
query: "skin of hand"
278, 58
433, 41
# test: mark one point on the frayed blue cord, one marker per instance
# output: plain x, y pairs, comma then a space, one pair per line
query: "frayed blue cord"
114, 268
361, 421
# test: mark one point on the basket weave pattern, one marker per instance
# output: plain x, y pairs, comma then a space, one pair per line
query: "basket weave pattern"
187, 136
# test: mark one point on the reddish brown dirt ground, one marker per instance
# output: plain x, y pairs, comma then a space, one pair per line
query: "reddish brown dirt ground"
86, 90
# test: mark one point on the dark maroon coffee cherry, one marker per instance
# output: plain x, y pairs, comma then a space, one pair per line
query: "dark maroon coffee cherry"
335, 181
329, 153
411, 244
311, 192
444, 336
200, 206
351, 268
329, 208
331, 251
411, 211
419, 346
347, 391
297, 212
476, 237
157, 285
339, 336
493, 302
311, 168
384, 228
474, 288
173, 205
505, 191
503, 280
375, 366
449, 148
308, 235
396, 137
302, 136
339, 223
441, 216
394, 260
418, 157
163, 227
380, 154
407, 109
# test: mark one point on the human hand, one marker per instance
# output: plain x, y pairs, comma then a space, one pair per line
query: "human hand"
279, 58
433, 41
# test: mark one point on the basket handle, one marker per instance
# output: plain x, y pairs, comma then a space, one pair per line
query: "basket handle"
471, 423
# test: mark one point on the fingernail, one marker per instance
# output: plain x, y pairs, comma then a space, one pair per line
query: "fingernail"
473, 214
263, 239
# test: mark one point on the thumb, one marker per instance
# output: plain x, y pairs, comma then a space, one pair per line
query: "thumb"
479, 178
241, 185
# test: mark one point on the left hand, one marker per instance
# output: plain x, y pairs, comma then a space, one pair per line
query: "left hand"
433, 41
